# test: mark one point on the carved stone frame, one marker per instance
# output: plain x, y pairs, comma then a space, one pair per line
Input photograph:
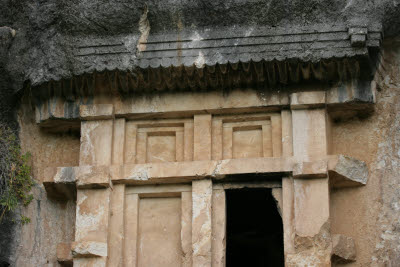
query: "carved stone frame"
295, 145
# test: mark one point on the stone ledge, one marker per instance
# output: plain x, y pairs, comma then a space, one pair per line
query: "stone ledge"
59, 182
343, 171
85, 249
96, 112
192, 170
346, 171
343, 100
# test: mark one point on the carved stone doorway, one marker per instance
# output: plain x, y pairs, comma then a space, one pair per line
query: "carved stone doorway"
254, 228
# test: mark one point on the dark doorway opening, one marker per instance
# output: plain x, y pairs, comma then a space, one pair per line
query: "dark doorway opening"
254, 229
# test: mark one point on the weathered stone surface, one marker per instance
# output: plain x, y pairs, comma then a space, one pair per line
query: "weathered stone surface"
64, 254
288, 214
96, 143
344, 100
186, 171
202, 223
62, 57
218, 228
186, 229
159, 231
96, 112
277, 194
311, 250
92, 215
343, 249
315, 169
93, 177
202, 137
89, 249
158, 221
116, 226
59, 182
312, 238
45, 48
131, 229
346, 171
373, 207
307, 99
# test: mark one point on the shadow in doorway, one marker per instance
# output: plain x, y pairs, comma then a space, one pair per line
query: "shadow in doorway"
254, 229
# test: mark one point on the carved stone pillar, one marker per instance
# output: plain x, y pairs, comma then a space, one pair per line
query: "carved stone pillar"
310, 236
93, 182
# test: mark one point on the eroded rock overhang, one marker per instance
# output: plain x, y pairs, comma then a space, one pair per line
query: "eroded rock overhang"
139, 47
74, 38
339, 59
275, 63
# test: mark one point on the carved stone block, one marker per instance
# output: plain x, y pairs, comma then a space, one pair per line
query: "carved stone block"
315, 169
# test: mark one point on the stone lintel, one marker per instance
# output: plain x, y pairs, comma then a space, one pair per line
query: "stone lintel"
96, 112
93, 177
345, 99
64, 255
343, 249
343, 172
240, 185
84, 249
302, 100
315, 169
346, 171
193, 170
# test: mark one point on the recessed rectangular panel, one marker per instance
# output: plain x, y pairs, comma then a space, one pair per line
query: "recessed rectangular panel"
247, 143
247, 136
159, 235
161, 148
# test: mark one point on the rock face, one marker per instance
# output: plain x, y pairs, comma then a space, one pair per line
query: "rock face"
46, 33
121, 72
343, 249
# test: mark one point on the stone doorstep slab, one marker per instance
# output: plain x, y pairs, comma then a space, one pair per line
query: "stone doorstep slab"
343, 171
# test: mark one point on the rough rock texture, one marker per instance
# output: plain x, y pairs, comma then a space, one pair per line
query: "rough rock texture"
30, 244
46, 32
343, 249
89, 249
370, 214
311, 251
42, 50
